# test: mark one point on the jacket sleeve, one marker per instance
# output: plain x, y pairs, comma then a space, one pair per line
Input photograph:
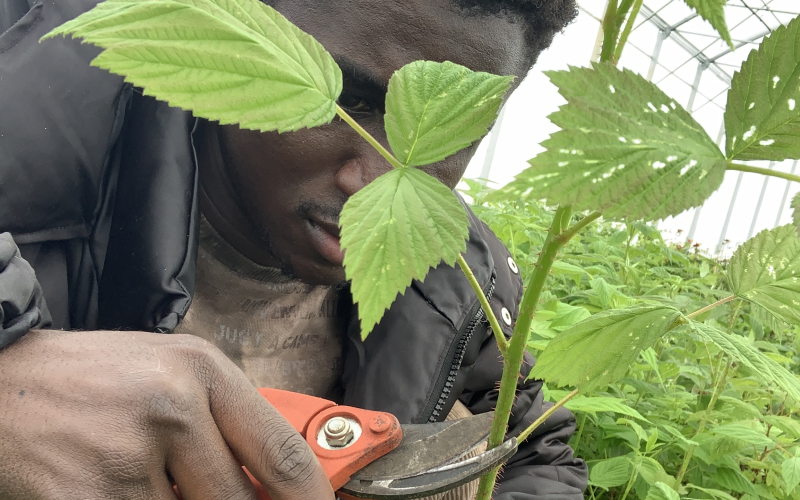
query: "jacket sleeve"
545, 465
22, 305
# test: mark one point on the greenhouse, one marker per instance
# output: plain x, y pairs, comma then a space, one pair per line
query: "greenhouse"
683, 54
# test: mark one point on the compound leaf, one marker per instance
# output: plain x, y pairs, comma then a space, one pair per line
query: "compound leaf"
662, 491
766, 270
713, 11
762, 118
748, 355
235, 61
625, 149
434, 110
733, 480
393, 231
610, 473
790, 470
599, 350
602, 403
742, 433
796, 212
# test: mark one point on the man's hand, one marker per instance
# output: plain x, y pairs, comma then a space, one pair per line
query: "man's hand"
102, 415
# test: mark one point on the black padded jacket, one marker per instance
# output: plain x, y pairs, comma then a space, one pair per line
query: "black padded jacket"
98, 187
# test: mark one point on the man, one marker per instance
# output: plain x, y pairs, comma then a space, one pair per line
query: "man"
137, 217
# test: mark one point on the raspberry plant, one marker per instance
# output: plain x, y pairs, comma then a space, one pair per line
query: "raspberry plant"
625, 151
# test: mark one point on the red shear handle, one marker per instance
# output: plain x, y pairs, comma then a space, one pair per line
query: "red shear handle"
374, 433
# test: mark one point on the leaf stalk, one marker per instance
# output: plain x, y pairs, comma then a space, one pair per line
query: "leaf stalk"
626, 32
723, 378
539, 421
710, 307
502, 343
570, 233
741, 167
368, 137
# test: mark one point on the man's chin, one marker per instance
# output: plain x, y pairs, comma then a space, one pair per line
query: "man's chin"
328, 275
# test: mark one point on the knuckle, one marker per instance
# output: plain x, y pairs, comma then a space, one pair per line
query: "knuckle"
169, 402
202, 357
292, 460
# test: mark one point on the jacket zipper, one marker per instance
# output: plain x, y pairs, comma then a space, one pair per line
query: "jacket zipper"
447, 382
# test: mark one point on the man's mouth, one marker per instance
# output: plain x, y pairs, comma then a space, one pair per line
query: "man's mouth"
325, 238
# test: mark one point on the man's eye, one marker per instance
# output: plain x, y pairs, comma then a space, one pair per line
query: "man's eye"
354, 103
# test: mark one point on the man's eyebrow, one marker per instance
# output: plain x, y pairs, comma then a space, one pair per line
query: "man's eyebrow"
360, 74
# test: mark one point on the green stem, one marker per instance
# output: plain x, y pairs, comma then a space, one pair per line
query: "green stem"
539, 421
512, 362
741, 167
366, 135
579, 435
609, 31
622, 10
723, 378
575, 229
712, 306
637, 464
502, 343
623, 38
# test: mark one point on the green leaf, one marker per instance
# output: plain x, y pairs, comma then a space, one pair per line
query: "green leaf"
434, 110
601, 403
766, 270
788, 425
393, 231
742, 432
796, 212
721, 495
626, 149
790, 470
662, 491
610, 473
713, 11
599, 350
235, 61
734, 480
567, 316
762, 118
744, 352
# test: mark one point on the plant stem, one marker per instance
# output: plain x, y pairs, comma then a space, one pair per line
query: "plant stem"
512, 362
712, 306
575, 229
637, 464
623, 38
366, 135
502, 343
539, 421
741, 167
702, 425
579, 435
609, 31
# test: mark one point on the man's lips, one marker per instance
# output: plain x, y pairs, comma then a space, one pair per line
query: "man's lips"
325, 238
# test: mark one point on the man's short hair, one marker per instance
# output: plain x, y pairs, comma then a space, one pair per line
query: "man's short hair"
543, 18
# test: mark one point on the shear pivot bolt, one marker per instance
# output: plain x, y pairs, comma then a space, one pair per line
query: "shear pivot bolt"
338, 432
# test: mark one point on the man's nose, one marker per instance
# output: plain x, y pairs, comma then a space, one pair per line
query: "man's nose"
363, 168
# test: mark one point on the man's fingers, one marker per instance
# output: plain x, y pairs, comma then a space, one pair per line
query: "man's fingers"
273, 451
204, 468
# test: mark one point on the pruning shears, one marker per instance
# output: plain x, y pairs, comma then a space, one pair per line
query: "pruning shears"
368, 454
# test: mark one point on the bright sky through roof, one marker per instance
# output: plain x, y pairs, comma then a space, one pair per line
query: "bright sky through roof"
693, 41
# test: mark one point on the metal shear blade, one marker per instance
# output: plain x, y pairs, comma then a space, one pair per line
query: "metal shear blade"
427, 461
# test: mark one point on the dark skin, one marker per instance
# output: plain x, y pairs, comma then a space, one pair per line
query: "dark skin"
277, 197
102, 415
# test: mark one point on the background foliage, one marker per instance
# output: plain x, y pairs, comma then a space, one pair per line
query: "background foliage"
635, 433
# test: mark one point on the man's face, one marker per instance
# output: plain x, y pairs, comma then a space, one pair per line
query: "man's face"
292, 186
